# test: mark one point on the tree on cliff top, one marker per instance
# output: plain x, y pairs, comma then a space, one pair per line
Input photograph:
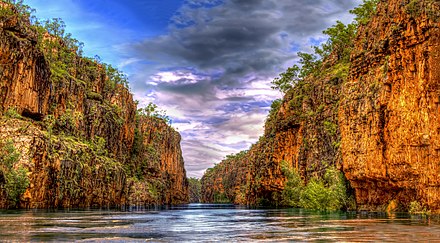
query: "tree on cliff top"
364, 11
152, 110
339, 42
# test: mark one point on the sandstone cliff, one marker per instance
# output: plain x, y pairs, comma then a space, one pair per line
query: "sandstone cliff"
76, 129
389, 118
372, 114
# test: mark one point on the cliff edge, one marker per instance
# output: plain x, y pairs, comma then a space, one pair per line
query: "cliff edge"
70, 132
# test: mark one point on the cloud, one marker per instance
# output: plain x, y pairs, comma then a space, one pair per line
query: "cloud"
213, 68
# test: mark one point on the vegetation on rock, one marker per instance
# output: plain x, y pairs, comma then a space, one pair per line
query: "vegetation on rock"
299, 160
13, 176
195, 190
83, 140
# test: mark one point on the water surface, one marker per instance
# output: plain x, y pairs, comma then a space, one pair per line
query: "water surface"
214, 223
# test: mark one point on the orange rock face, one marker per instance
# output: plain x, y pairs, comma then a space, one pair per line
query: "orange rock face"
389, 118
79, 135
24, 74
164, 160
302, 131
380, 125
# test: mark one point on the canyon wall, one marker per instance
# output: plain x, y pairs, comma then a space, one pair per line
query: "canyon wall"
76, 128
375, 117
389, 117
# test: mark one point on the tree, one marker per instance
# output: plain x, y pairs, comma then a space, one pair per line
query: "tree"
364, 11
115, 76
151, 110
286, 80
340, 42
55, 26
22, 9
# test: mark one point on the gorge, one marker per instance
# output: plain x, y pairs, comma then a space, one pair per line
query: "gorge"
357, 129
369, 108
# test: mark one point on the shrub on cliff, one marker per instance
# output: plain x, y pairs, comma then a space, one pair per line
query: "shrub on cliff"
364, 11
416, 208
22, 9
293, 187
13, 178
328, 193
325, 194
152, 110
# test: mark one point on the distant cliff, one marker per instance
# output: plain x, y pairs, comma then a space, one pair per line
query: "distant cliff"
369, 108
70, 132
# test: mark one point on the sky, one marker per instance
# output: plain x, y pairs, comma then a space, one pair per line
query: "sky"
207, 63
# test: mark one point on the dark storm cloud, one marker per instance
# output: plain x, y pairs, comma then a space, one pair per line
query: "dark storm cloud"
218, 35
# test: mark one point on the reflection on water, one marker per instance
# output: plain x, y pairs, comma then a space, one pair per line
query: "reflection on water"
209, 222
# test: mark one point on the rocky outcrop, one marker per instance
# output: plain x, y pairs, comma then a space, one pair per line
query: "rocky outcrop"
389, 118
157, 157
76, 127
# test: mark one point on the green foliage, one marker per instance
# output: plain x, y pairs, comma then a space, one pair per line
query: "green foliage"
60, 49
416, 208
237, 156
60, 41
432, 10
330, 127
62, 52
23, 10
94, 96
293, 187
286, 80
16, 184
8, 155
69, 120
310, 64
413, 8
274, 108
151, 110
13, 113
364, 11
221, 198
297, 100
55, 26
195, 190
340, 41
15, 176
326, 194
340, 71
115, 77
98, 145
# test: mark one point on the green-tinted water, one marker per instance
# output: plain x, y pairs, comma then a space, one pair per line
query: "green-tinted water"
220, 223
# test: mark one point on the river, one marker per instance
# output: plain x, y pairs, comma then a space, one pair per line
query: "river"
213, 223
